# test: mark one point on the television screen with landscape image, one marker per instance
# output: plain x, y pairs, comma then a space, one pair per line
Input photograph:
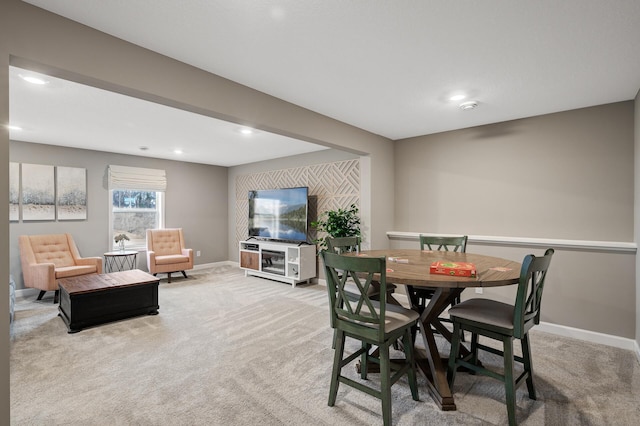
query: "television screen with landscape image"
279, 214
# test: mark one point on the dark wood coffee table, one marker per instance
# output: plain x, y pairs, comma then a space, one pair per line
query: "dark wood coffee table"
94, 299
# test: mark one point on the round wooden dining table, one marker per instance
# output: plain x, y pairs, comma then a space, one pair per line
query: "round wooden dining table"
411, 267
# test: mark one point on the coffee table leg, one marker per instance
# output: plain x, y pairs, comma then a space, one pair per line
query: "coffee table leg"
67, 322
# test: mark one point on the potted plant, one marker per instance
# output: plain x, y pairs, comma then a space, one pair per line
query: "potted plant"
337, 223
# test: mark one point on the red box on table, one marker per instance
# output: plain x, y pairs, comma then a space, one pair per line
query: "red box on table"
456, 269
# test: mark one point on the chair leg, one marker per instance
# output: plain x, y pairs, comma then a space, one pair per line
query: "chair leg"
337, 361
509, 382
364, 360
385, 384
169, 277
56, 296
409, 354
184, 273
474, 349
528, 366
414, 333
42, 292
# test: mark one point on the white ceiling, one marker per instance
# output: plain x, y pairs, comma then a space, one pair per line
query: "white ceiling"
69, 114
388, 67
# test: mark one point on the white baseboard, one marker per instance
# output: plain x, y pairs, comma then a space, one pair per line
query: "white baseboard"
26, 292
589, 336
214, 264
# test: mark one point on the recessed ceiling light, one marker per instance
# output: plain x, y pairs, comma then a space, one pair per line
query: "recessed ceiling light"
33, 80
468, 105
177, 151
10, 127
246, 131
458, 97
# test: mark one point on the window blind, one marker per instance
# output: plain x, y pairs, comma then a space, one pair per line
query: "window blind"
123, 177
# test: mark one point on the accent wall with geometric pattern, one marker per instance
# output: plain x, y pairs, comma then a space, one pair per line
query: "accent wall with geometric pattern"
331, 186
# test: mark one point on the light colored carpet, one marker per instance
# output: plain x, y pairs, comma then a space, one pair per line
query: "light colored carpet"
233, 350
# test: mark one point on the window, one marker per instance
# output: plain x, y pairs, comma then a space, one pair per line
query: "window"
136, 203
133, 212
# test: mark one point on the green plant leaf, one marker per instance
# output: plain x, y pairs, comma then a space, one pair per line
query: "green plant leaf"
337, 223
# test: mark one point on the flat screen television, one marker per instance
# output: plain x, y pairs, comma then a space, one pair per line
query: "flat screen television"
279, 214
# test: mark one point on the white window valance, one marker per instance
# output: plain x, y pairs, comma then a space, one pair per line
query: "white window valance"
123, 177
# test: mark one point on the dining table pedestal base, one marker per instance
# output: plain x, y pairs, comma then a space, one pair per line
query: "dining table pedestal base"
442, 400
445, 402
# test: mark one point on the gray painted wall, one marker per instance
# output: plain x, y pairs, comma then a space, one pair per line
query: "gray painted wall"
568, 175
637, 210
4, 221
196, 200
565, 175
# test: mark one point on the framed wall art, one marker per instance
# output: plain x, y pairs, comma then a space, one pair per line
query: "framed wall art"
71, 190
38, 192
14, 192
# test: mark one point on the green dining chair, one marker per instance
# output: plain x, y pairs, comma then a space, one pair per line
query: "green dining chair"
421, 296
504, 322
355, 315
342, 245
436, 243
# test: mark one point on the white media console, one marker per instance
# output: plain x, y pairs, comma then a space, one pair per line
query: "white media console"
287, 262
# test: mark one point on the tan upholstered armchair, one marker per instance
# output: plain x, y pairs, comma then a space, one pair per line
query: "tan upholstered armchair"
47, 258
166, 252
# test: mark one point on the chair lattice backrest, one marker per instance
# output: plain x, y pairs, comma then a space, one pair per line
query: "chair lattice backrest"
434, 243
529, 295
342, 245
352, 309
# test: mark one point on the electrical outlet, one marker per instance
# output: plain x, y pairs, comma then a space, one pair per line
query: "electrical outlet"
198, 253
479, 290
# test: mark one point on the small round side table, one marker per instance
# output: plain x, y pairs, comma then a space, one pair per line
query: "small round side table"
120, 260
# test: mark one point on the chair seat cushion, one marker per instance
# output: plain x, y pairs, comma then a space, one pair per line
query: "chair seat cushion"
73, 271
171, 259
396, 316
485, 311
